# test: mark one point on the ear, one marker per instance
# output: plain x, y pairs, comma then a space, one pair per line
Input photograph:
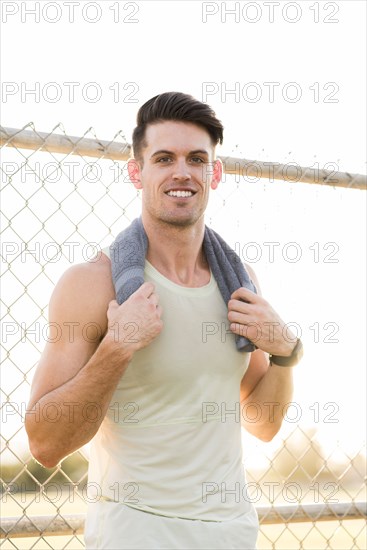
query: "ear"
133, 169
217, 173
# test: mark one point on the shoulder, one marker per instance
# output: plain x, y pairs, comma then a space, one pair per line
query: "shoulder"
88, 275
84, 290
253, 277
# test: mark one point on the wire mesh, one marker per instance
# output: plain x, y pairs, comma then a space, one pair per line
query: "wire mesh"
61, 208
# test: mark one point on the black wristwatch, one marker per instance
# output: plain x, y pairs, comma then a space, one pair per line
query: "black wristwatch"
290, 360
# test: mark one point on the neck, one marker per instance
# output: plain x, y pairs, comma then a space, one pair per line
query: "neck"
177, 252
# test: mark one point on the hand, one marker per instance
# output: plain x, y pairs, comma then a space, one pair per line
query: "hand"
253, 317
135, 323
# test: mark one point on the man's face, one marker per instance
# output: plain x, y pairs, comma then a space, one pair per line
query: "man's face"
177, 171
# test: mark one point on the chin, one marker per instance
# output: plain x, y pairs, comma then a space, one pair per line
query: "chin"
179, 220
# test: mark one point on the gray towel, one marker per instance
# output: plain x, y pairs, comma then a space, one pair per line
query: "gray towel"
128, 253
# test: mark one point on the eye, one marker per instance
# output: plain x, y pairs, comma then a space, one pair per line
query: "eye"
163, 160
197, 160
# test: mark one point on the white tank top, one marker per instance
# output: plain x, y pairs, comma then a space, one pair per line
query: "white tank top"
170, 443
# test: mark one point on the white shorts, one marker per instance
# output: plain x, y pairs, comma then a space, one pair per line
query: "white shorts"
114, 526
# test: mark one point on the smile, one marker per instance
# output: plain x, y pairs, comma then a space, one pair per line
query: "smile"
180, 194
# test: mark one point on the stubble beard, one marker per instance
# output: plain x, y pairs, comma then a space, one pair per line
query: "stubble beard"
170, 219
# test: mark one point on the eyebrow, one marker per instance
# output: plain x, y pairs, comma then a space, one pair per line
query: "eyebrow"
166, 152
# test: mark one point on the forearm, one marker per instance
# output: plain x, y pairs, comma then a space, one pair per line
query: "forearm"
269, 399
68, 417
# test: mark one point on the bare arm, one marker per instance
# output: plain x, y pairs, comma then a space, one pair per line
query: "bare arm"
78, 373
265, 390
264, 408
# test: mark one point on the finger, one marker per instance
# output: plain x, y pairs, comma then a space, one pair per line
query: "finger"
235, 317
146, 289
159, 311
245, 294
241, 306
234, 327
237, 328
154, 298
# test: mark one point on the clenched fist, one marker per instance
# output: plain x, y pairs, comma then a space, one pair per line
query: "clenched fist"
134, 324
252, 316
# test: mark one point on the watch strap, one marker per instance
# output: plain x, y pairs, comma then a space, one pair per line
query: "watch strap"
290, 360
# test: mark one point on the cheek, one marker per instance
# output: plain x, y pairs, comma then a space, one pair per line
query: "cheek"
151, 193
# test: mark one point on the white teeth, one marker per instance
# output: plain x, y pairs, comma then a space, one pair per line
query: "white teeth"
180, 193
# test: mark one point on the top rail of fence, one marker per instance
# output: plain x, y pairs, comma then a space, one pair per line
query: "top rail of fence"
121, 151
74, 523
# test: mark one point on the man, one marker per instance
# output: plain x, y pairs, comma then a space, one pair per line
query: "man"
165, 464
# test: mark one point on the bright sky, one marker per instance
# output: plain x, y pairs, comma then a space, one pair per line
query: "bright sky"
298, 95
300, 85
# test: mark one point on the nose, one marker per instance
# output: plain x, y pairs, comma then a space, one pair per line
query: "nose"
181, 171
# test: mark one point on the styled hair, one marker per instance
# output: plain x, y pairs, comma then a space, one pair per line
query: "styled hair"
175, 106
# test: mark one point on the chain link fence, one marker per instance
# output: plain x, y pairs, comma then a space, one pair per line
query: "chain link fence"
65, 198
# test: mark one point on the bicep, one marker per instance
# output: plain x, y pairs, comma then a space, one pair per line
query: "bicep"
59, 363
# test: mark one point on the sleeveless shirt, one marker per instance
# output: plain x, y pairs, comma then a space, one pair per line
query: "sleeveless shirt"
170, 443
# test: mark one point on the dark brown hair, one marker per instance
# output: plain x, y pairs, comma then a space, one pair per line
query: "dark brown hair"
175, 106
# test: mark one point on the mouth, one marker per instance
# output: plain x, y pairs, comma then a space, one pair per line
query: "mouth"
180, 193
